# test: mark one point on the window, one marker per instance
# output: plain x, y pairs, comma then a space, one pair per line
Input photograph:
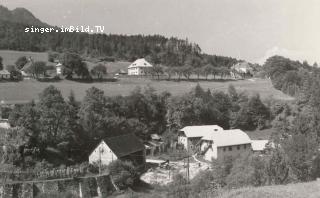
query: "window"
238, 147
245, 146
230, 148
224, 149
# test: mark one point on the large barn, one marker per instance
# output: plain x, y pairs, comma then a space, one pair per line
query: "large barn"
213, 142
125, 147
139, 67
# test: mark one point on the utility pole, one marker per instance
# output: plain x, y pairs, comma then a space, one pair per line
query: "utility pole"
188, 166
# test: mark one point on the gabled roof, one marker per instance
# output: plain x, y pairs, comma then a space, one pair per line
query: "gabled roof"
123, 145
241, 65
228, 137
259, 145
200, 131
140, 63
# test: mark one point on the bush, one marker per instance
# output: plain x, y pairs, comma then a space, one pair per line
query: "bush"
57, 195
124, 173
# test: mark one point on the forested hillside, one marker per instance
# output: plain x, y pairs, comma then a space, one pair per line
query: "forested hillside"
158, 49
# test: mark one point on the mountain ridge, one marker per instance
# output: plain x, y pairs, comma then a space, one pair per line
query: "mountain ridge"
20, 15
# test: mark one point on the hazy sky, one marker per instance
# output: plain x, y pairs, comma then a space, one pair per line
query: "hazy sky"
246, 29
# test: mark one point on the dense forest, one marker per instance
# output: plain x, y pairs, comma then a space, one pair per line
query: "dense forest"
158, 49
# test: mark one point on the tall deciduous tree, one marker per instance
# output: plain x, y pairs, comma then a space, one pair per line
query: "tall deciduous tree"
21, 61
92, 113
99, 70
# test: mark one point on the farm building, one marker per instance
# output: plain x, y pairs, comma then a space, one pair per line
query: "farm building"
139, 67
4, 74
189, 136
155, 145
261, 146
217, 145
212, 141
125, 147
241, 69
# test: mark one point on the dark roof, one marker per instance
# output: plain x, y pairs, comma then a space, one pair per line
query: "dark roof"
124, 144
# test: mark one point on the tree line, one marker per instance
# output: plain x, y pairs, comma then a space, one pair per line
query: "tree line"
158, 49
70, 129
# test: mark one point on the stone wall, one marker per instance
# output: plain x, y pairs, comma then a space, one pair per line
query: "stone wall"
85, 187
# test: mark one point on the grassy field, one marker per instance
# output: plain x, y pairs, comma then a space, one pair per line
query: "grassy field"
300, 190
10, 57
27, 90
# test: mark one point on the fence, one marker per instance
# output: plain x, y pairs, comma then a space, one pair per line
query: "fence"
55, 173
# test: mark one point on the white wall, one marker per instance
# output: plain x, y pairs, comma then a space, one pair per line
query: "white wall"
183, 140
137, 71
104, 153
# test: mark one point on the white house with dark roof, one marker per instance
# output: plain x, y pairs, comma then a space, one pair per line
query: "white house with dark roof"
226, 143
139, 67
125, 147
213, 142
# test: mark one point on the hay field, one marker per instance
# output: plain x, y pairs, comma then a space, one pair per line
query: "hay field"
15, 92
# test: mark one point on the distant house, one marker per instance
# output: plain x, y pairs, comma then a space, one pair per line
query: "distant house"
224, 143
124, 147
4, 74
59, 67
4, 123
189, 136
241, 70
139, 67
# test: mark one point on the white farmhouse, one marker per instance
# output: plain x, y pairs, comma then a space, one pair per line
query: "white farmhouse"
139, 67
125, 147
226, 143
189, 136
213, 142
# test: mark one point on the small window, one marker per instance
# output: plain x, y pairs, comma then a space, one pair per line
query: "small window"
224, 149
230, 148
245, 146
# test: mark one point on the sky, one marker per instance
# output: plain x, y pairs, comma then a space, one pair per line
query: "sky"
252, 30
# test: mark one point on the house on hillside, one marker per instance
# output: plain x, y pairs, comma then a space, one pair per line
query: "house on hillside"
189, 136
213, 142
125, 147
241, 70
139, 67
59, 67
224, 143
4, 75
